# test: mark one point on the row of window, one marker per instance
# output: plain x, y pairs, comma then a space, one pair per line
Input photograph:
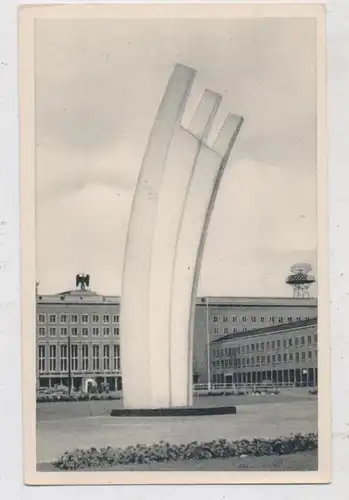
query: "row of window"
254, 319
74, 331
74, 318
263, 360
266, 346
106, 356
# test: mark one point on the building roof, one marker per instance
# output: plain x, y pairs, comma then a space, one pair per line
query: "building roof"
257, 301
90, 296
279, 328
78, 296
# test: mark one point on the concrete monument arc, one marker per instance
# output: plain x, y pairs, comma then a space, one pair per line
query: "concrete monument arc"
169, 218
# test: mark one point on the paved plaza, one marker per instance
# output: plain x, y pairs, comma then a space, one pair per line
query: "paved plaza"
66, 426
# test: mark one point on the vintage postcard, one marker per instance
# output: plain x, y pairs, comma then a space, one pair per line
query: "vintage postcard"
175, 324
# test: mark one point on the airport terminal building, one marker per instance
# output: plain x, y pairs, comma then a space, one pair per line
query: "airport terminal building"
83, 326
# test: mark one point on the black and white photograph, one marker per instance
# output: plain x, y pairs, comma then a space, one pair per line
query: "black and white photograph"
173, 198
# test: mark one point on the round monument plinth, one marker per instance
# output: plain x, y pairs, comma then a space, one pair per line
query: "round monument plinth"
189, 411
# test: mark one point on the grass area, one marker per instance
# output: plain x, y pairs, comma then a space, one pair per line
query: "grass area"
67, 426
301, 461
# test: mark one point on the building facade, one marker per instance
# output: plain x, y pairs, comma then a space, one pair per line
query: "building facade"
219, 317
282, 353
84, 326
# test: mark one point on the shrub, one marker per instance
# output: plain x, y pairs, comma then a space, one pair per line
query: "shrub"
164, 451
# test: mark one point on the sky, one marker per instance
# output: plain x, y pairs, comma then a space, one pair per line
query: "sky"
98, 85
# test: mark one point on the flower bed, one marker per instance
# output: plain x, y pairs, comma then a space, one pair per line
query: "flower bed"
59, 397
166, 452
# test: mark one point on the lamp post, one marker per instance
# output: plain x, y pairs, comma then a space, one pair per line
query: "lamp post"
69, 366
208, 348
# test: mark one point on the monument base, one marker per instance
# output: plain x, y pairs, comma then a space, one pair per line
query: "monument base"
183, 411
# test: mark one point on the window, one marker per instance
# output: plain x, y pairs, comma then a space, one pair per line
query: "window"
247, 349
262, 319
244, 329
252, 347
115, 318
74, 331
315, 338
296, 341
41, 318
309, 339
95, 318
281, 320
298, 318
297, 357
302, 341
257, 346
64, 358
52, 318
234, 319
225, 352
42, 360
84, 357
263, 360
84, 318
84, 331
278, 344
222, 363
106, 331
268, 359
279, 358
274, 358
242, 349
273, 344
95, 331
106, 357
225, 319
63, 331
116, 357
257, 360
74, 358
215, 319
235, 330
268, 345
248, 361
42, 331
116, 330
290, 342
262, 346
290, 356
243, 361
225, 330
289, 319
230, 363
52, 331
310, 355
230, 351
303, 356
53, 360
285, 357
226, 363
74, 318
63, 318
244, 319
253, 319
285, 343
95, 357
252, 360
272, 319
